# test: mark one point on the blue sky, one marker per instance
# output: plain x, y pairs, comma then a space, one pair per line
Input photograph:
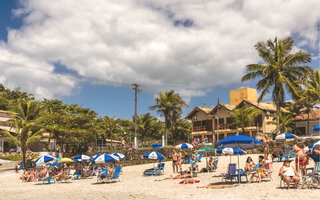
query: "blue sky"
117, 99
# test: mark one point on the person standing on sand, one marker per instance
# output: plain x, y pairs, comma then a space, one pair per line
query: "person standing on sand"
266, 143
174, 161
301, 157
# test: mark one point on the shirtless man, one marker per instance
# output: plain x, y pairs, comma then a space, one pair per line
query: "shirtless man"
298, 151
180, 160
174, 161
266, 143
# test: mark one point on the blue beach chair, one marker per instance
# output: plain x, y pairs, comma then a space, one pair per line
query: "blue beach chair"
232, 173
116, 174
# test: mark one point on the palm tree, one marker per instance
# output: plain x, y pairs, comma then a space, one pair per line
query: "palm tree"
112, 126
145, 123
167, 105
310, 94
26, 130
279, 72
244, 116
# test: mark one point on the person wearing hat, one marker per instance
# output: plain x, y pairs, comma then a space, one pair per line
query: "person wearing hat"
289, 173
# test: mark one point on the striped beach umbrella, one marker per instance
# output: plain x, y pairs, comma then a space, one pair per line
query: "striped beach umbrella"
119, 155
96, 156
231, 151
184, 146
104, 158
44, 160
153, 156
315, 145
285, 137
81, 157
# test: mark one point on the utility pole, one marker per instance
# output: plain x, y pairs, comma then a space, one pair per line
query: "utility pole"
218, 121
136, 89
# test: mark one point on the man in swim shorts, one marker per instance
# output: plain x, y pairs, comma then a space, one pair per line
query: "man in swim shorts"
174, 161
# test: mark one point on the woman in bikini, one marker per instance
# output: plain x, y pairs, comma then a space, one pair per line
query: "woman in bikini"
250, 165
261, 170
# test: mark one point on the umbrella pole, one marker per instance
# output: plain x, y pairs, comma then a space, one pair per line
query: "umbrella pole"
238, 158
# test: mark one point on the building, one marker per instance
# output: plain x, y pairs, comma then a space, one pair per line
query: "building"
216, 123
301, 124
5, 146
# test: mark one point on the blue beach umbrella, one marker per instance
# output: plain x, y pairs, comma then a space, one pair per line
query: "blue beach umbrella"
55, 164
315, 145
153, 155
285, 137
312, 147
119, 155
231, 151
96, 156
316, 128
238, 141
104, 158
184, 146
44, 160
81, 157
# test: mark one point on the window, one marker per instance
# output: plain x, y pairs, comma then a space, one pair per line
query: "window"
300, 131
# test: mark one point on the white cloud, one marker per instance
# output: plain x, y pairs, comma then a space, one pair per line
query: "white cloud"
171, 44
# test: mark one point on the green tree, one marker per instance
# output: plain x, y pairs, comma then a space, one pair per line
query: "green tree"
279, 72
309, 96
26, 131
168, 105
181, 129
111, 126
244, 116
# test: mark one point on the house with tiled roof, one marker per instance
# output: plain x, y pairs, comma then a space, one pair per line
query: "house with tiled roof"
305, 122
217, 123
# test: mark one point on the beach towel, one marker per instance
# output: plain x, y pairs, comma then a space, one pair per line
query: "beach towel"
217, 186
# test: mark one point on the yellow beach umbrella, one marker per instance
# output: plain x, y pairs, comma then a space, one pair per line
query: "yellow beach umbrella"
34, 159
65, 160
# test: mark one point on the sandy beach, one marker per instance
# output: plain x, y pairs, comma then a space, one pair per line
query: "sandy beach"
134, 186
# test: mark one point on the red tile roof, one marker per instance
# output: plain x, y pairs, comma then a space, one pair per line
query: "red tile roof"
312, 117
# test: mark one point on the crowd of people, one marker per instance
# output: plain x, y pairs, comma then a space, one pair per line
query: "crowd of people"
67, 171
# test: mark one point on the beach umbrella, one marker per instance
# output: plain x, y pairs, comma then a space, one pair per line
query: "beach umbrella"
81, 157
119, 155
96, 156
239, 142
44, 160
316, 128
315, 145
104, 158
65, 160
184, 146
285, 137
231, 151
153, 156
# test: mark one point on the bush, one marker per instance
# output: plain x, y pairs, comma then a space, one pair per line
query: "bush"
12, 158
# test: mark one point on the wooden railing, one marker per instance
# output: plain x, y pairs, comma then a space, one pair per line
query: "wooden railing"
229, 126
199, 128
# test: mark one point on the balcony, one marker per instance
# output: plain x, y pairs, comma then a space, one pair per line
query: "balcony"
200, 129
229, 126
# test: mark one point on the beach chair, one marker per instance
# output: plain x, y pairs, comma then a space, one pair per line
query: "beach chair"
240, 174
116, 174
103, 172
200, 156
291, 155
231, 174
49, 180
269, 172
283, 156
156, 171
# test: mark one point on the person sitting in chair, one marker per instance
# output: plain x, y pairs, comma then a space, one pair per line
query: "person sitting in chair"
288, 173
211, 164
194, 166
260, 170
250, 165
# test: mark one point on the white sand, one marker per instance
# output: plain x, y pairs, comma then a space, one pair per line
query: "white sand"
134, 186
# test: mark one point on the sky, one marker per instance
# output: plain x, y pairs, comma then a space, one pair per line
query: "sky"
90, 52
